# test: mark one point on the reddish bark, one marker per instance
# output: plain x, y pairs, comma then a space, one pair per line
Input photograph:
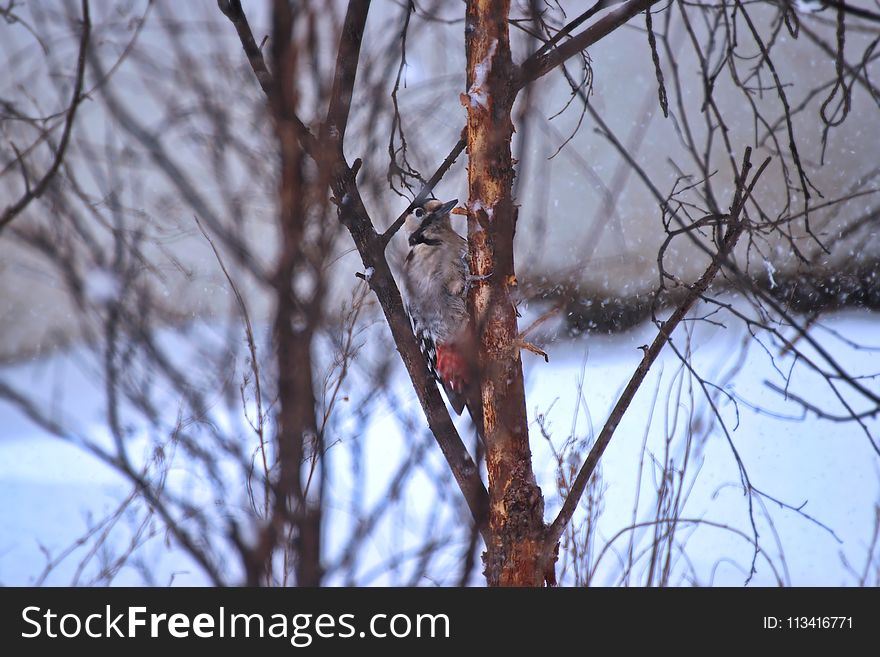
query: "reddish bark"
516, 506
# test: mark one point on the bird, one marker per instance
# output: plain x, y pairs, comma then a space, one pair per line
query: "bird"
436, 280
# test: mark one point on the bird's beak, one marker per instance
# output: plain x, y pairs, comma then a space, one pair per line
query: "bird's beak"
446, 208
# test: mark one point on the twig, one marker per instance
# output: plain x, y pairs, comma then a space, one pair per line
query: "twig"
540, 64
735, 226
426, 189
255, 367
37, 191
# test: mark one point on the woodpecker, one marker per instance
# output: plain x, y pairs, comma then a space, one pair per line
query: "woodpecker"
436, 280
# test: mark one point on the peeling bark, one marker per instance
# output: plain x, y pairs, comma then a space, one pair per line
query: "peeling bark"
516, 506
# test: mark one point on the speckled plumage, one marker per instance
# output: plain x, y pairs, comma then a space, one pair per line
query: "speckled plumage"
435, 275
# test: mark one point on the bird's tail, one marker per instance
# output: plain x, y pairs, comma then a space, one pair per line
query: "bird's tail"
468, 398
460, 382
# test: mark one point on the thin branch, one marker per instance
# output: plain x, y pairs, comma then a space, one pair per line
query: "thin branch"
255, 367
540, 64
232, 9
735, 227
31, 193
426, 190
347, 61
867, 14
572, 25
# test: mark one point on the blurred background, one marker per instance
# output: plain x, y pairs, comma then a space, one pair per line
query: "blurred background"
137, 376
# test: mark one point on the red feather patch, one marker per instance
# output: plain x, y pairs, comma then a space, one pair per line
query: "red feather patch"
452, 367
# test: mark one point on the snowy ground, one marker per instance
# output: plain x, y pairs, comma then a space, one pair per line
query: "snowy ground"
53, 491
830, 468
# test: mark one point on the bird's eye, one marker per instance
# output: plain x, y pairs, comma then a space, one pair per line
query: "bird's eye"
419, 213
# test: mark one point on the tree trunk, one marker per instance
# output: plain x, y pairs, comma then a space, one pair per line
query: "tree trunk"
295, 321
516, 506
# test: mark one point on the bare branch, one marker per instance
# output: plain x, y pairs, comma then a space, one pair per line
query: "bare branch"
735, 227
540, 64
37, 190
347, 60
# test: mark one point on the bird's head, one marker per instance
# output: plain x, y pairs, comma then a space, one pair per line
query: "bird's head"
427, 223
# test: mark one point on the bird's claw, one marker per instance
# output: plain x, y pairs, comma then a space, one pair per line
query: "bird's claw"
470, 279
